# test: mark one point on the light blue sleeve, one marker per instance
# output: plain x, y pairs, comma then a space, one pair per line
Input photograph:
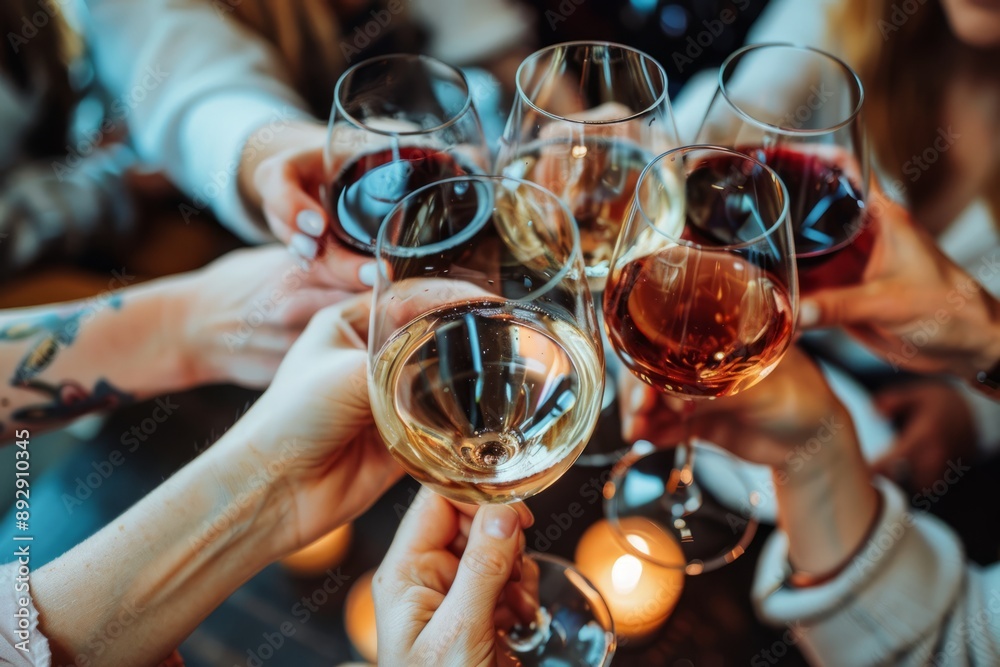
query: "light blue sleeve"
192, 85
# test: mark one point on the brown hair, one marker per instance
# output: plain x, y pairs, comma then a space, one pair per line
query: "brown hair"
307, 34
40, 58
905, 61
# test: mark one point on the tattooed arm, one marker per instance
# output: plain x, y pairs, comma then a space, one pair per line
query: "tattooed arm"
61, 362
230, 322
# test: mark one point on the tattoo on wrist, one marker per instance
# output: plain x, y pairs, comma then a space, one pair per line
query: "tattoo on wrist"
51, 332
68, 400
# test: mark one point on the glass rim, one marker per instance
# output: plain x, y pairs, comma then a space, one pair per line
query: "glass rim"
662, 97
494, 180
852, 77
361, 125
781, 219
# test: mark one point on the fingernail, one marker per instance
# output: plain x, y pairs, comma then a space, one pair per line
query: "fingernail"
367, 274
501, 522
808, 313
303, 246
310, 222
527, 518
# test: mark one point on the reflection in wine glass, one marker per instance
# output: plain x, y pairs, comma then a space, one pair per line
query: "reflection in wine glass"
799, 111
700, 304
486, 370
399, 122
588, 117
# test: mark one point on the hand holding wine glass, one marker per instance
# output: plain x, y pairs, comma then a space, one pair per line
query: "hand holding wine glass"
486, 371
825, 498
799, 111
700, 303
444, 582
286, 183
913, 293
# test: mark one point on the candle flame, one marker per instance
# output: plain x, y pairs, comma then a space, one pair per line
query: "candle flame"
625, 574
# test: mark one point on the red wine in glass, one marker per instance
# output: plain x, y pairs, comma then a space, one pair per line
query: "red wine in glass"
697, 322
833, 239
366, 189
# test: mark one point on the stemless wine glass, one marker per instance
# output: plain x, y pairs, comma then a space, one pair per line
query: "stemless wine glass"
588, 117
700, 304
485, 365
798, 110
398, 123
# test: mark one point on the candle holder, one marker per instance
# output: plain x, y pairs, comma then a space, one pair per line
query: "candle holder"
359, 618
640, 594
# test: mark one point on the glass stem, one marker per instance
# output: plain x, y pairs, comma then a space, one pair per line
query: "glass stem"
682, 483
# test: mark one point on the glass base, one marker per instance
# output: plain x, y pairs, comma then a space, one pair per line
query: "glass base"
573, 627
708, 509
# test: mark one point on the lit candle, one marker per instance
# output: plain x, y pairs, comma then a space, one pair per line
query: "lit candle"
326, 552
641, 594
359, 617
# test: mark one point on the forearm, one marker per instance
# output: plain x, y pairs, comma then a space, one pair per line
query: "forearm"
134, 591
827, 506
60, 362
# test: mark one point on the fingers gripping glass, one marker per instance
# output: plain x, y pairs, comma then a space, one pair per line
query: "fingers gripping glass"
799, 111
700, 304
485, 363
399, 122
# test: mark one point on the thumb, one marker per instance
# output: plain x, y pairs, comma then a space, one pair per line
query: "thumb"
485, 568
845, 306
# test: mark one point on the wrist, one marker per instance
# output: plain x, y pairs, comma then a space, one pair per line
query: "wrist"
255, 487
827, 507
180, 296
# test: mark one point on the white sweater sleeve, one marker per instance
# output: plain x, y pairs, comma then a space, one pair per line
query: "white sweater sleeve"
21, 643
908, 599
192, 85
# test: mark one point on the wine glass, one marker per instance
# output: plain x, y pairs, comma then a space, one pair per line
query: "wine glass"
588, 117
799, 111
700, 304
398, 123
485, 366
